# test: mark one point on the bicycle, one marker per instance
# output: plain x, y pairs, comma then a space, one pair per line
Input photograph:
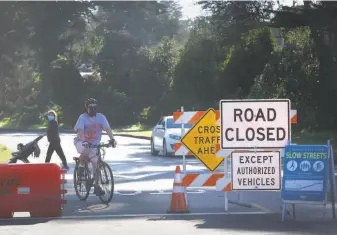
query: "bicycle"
90, 176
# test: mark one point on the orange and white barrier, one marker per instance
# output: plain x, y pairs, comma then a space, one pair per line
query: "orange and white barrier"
201, 179
193, 117
180, 150
178, 201
224, 184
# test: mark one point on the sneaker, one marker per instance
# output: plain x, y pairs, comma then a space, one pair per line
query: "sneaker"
65, 167
99, 191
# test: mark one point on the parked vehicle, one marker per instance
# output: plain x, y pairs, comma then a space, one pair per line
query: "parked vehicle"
165, 135
24, 151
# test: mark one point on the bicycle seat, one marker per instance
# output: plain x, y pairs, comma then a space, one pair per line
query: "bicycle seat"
76, 158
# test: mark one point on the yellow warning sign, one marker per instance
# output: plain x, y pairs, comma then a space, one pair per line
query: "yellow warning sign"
202, 139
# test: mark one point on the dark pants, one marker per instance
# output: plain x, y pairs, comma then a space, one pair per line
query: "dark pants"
56, 146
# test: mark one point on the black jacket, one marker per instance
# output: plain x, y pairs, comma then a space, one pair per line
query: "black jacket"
53, 132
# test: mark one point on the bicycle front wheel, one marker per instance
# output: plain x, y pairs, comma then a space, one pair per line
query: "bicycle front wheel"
81, 185
106, 182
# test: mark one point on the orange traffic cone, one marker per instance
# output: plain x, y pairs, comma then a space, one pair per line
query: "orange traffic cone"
178, 201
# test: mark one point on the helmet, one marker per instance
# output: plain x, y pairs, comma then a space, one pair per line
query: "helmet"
90, 101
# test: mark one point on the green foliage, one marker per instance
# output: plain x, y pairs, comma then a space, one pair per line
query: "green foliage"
291, 73
146, 62
5, 154
148, 116
245, 61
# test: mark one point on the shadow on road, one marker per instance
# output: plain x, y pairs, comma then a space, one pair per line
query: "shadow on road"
259, 223
229, 224
22, 221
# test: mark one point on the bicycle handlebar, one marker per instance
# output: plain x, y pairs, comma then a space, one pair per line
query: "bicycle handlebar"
100, 145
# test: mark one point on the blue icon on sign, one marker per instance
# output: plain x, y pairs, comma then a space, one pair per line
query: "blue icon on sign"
318, 166
305, 166
292, 165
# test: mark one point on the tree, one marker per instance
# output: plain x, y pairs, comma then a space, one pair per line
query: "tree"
197, 70
320, 18
234, 19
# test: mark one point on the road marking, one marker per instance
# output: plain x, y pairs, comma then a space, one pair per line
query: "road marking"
128, 194
262, 208
196, 191
137, 177
162, 192
137, 215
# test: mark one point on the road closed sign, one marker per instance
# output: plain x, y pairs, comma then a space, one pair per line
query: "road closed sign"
247, 124
256, 171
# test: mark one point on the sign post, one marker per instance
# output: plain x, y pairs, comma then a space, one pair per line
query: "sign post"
332, 180
249, 124
258, 170
182, 134
184, 156
225, 193
305, 175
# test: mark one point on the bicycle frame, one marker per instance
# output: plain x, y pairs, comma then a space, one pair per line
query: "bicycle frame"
99, 147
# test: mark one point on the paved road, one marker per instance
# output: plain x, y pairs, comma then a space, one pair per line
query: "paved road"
142, 197
168, 225
143, 183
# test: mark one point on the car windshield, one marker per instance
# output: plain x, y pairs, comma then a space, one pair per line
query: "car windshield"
171, 124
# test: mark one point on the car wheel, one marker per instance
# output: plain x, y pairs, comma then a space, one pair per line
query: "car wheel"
164, 149
153, 151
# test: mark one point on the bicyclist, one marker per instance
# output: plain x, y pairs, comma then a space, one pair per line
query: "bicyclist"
89, 128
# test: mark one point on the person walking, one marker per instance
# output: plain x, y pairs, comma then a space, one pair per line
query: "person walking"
54, 139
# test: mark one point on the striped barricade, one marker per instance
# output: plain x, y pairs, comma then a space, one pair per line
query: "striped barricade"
201, 179
224, 184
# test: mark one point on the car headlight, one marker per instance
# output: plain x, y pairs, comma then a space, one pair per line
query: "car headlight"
175, 137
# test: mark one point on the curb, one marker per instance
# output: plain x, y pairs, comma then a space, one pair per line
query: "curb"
133, 136
65, 131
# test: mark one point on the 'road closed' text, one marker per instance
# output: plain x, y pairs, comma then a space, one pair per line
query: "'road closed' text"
254, 124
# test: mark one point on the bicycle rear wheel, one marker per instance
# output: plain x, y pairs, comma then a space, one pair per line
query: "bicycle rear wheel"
84, 184
106, 182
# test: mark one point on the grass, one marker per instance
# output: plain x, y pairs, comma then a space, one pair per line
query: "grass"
5, 154
8, 123
12, 124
